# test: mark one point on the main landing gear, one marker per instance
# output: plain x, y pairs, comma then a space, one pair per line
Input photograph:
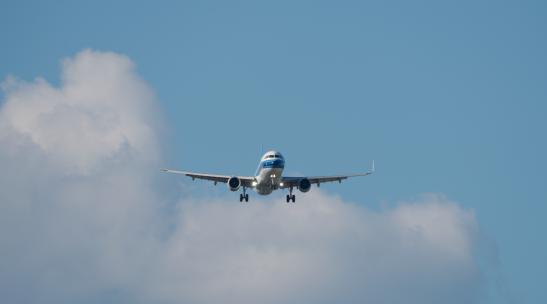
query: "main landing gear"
243, 196
290, 196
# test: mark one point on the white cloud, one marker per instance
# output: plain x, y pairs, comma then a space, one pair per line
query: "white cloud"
321, 250
82, 220
101, 109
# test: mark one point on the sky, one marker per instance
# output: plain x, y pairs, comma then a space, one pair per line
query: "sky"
448, 99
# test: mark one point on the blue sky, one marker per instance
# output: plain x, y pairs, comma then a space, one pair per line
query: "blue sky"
447, 97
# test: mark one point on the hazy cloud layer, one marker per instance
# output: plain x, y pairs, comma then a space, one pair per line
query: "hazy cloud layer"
82, 220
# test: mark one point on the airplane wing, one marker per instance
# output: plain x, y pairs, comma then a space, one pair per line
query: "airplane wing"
246, 181
293, 181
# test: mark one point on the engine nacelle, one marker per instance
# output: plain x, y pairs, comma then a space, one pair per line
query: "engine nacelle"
234, 183
304, 185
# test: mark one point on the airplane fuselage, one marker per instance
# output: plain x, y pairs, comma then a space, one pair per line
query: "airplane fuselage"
269, 173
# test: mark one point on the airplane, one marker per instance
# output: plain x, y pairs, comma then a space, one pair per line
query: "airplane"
269, 177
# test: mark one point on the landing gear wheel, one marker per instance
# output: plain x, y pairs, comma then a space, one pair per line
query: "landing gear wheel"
244, 195
290, 196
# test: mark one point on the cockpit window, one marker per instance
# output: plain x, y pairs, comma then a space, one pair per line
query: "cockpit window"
278, 155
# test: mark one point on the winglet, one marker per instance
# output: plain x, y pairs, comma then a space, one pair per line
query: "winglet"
372, 169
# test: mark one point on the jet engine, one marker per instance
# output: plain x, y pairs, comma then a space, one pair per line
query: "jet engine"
304, 185
234, 183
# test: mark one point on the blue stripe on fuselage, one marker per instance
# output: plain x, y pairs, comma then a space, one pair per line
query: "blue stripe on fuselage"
273, 163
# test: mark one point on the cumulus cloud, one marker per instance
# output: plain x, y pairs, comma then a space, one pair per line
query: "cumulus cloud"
101, 109
322, 250
82, 219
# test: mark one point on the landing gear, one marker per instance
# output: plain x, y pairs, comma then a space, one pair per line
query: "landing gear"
290, 196
243, 196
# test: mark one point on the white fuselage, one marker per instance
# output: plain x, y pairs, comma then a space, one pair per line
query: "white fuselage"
269, 172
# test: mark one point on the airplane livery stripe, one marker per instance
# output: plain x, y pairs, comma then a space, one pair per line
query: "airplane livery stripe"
276, 163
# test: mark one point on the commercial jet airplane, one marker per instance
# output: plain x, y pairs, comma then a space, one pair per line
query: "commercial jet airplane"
268, 178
